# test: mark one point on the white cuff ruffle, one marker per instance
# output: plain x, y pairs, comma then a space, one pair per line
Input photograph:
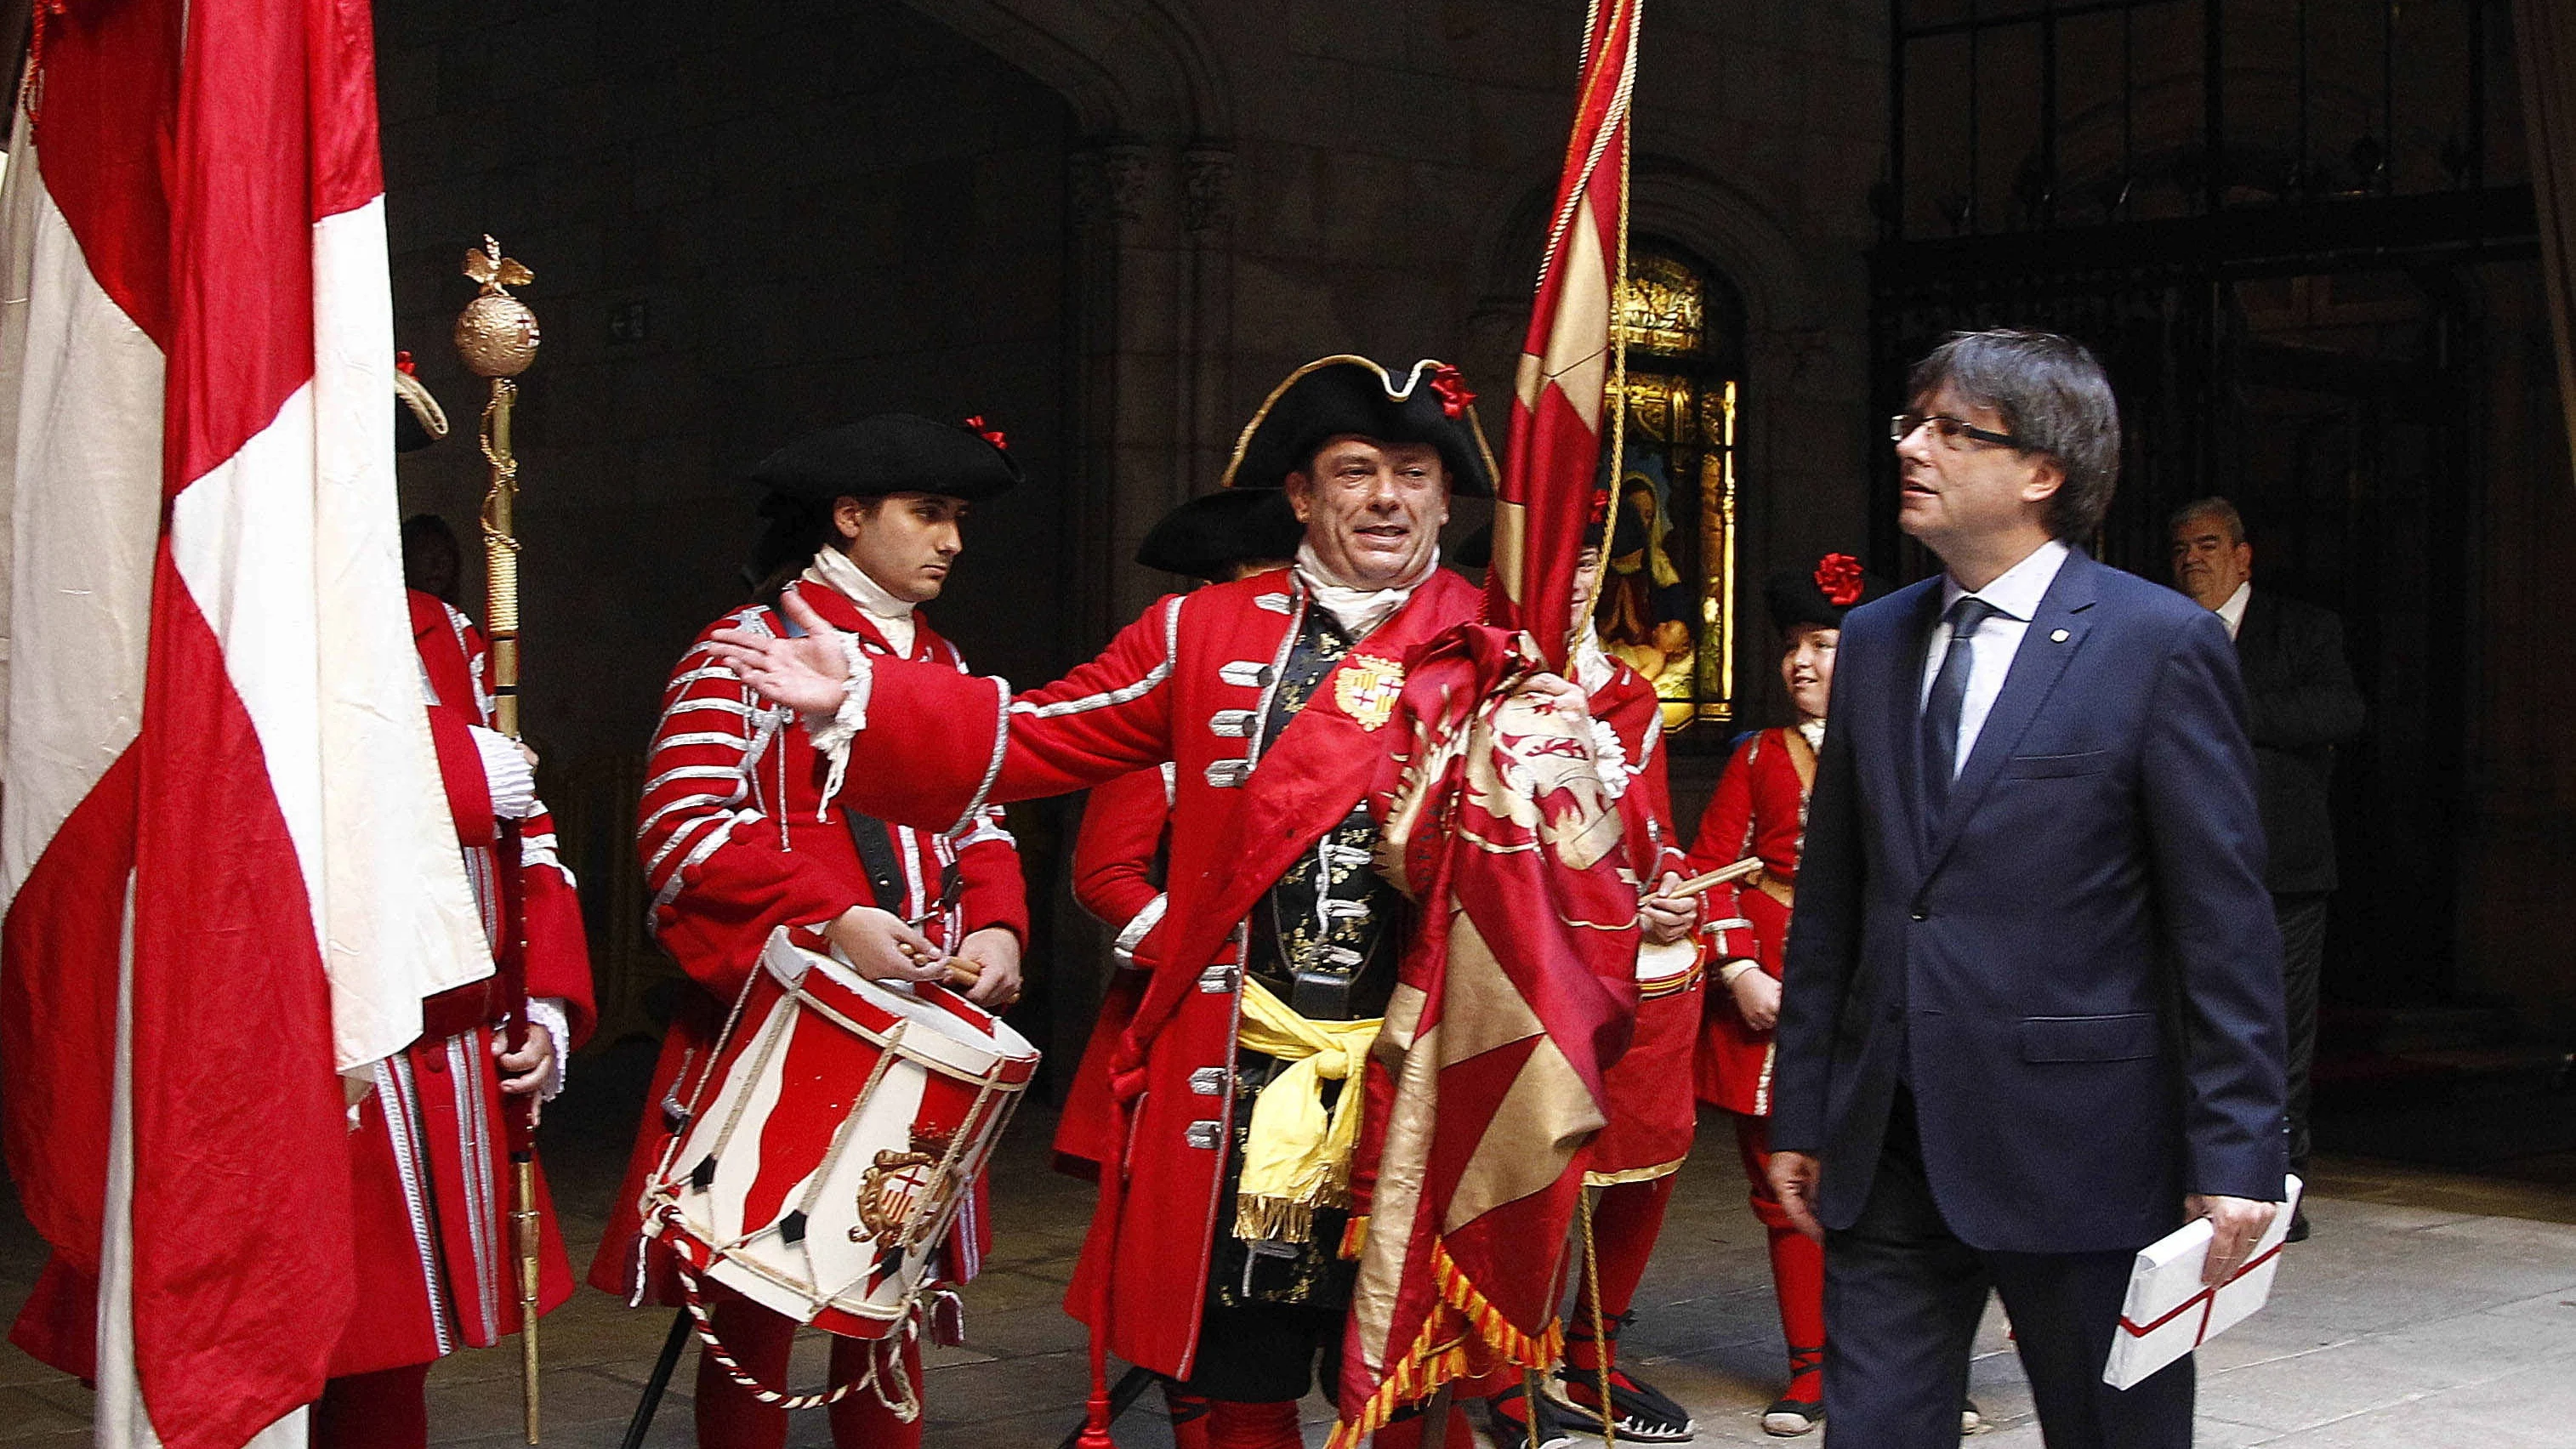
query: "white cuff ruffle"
506, 772
832, 735
547, 1013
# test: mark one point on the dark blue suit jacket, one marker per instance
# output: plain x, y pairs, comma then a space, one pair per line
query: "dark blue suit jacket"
2077, 972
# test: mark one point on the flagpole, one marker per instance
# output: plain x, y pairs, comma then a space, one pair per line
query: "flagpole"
1618, 350
496, 335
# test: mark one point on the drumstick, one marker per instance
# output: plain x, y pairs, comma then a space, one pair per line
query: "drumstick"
1718, 877
961, 972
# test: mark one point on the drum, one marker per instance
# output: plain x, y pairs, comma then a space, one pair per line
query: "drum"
833, 1138
1664, 967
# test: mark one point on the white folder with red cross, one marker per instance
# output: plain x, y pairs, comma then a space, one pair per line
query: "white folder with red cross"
2169, 1312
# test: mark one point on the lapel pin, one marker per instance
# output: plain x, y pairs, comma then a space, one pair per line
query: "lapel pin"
2057, 638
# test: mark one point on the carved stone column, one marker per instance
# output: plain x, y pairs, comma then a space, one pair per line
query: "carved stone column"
1204, 343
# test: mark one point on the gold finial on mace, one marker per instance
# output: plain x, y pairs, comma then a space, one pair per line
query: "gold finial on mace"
496, 335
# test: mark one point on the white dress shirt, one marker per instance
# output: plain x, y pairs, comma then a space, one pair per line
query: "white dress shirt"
2015, 596
2233, 611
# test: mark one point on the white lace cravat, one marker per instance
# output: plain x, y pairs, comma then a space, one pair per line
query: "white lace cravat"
892, 616
1357, 610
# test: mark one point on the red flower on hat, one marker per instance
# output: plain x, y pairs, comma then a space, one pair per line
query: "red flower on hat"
993, 436
402, 363
1600, 506
1452, 387
1838, 577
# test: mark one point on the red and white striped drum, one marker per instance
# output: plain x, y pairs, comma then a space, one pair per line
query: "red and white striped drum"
833, 1137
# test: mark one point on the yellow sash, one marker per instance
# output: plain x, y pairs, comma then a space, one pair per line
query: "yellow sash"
1298, 1159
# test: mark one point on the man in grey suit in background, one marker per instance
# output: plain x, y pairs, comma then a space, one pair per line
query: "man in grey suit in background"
2299, 704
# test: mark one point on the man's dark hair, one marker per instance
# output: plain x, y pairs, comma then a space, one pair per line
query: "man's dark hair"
2210, 507
2052, 394
793, 530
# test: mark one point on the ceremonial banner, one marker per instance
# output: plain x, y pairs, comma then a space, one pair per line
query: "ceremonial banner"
1516, 994
225, 854
1542, 501
1518, 990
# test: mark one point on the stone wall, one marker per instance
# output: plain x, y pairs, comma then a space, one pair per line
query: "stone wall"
2519, 845
744, 225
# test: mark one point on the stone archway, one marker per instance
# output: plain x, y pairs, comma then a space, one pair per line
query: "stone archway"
1151, 294
1800, 498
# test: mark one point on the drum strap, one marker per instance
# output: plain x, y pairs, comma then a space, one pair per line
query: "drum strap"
877, 858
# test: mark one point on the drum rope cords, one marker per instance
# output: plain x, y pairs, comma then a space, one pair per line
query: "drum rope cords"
813, 1193
882, 1365
679, 1135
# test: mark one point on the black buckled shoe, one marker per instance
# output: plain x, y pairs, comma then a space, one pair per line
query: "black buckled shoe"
1792, 1415
1638, 1410
1790, 1418
1515, 1420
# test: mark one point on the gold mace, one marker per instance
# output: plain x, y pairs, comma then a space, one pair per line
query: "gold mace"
496, 335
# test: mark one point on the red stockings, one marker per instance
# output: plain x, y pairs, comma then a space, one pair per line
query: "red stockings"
1797, 1267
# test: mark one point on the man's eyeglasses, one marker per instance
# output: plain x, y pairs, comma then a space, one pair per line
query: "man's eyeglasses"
1948, 429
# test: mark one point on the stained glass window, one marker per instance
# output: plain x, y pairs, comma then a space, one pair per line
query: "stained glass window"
1667, 596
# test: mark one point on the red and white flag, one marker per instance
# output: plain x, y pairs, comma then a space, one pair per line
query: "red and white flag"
1542, 503
1517, 990
227, 863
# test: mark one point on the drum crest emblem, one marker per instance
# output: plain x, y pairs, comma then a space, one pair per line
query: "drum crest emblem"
897, 1185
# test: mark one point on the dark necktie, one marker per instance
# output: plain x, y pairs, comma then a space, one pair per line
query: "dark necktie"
1942, 706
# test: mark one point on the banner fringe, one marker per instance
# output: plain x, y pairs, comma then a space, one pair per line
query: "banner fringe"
1430, 1364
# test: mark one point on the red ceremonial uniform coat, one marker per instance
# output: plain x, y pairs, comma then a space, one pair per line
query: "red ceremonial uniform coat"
431, 1177
1118, 871
1186, 683
737, 840
1651, 1109
1760, 809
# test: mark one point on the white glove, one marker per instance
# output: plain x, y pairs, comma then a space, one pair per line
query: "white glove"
506, 770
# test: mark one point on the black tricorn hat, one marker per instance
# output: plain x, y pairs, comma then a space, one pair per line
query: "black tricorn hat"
1346, 394
1207, 536
891, 453
418, 420
1820, 595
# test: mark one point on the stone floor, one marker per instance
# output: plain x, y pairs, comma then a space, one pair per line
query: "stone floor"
2431, 1309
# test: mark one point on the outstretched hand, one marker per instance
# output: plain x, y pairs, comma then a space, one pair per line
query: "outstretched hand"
809, 674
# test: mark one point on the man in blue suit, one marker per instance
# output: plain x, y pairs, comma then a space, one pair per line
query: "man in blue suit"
2032, 1019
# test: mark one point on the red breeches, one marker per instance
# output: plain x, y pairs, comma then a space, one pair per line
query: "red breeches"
384, 1410
1233, 1424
